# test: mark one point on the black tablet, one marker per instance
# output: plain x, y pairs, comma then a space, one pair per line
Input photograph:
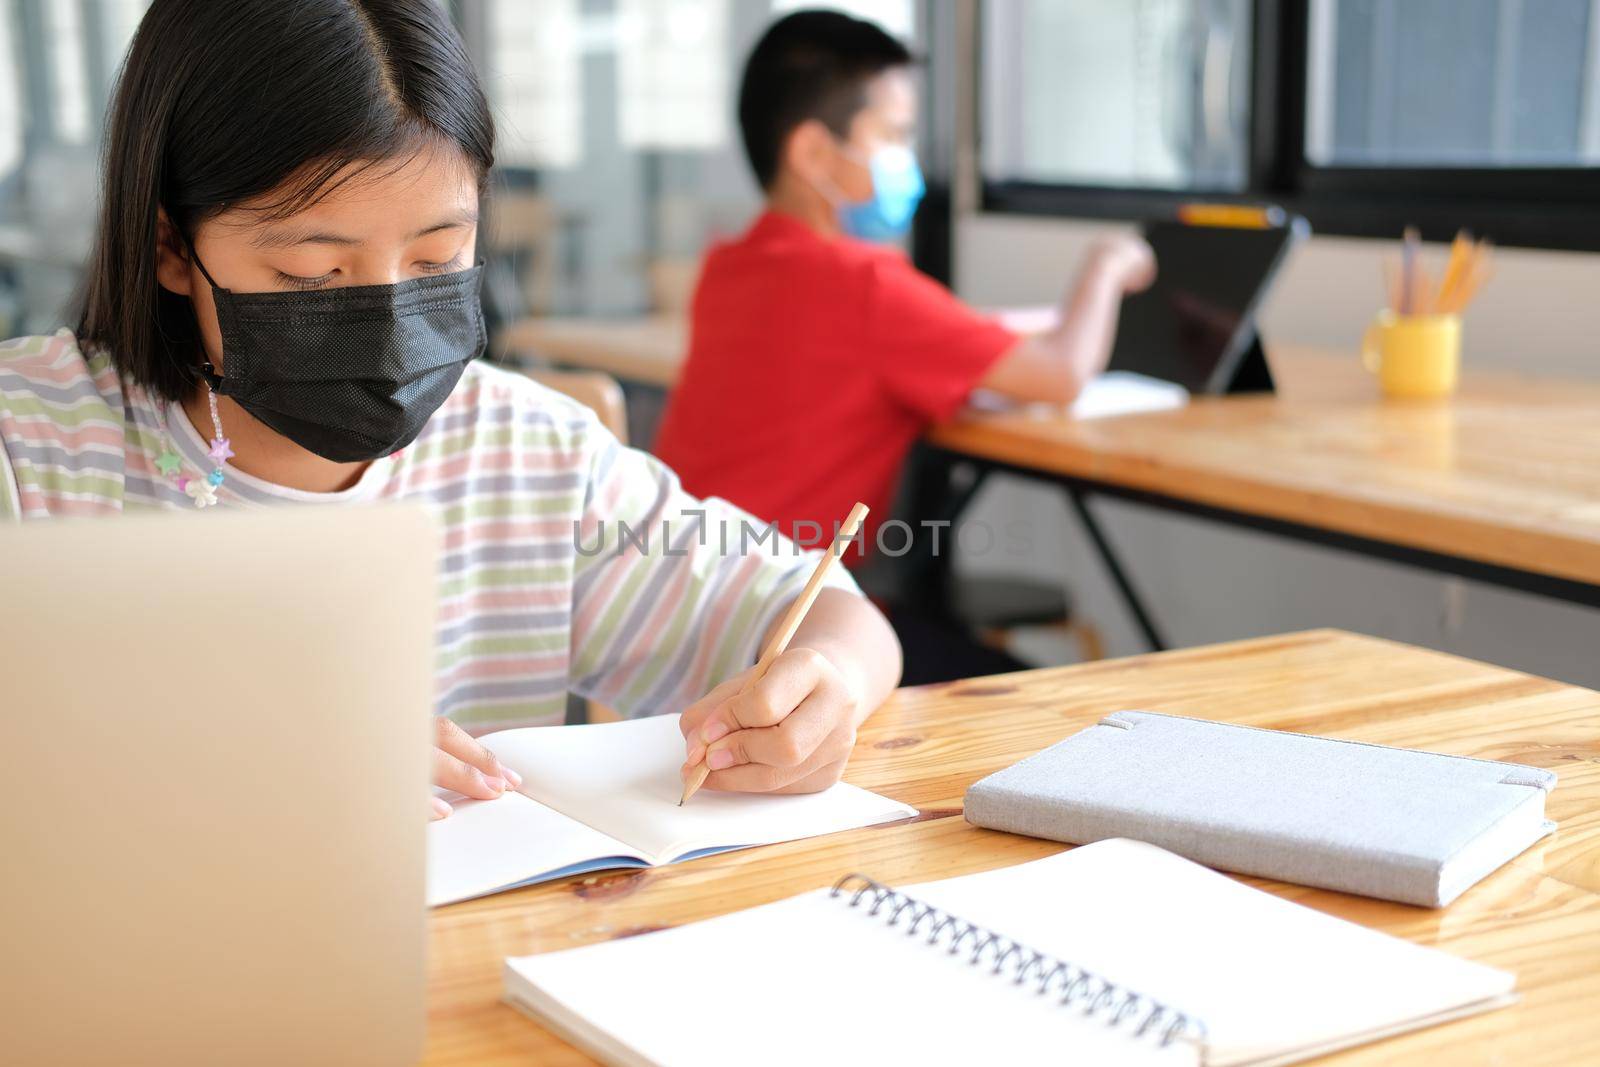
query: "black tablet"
1196, 324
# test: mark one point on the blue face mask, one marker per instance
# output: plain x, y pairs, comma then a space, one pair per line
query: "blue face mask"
897, 189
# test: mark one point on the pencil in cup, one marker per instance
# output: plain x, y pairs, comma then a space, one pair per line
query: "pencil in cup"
1471, 272
791, 622
1410, 289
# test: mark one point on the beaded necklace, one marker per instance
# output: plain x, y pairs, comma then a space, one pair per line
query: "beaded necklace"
203, 491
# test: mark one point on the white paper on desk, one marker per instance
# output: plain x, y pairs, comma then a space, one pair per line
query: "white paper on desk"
621, 778
1116, 392
606, 796
489, 845
826, 985
1274, 981
1122, 392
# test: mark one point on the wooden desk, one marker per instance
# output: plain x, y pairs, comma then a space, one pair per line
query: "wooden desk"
1501, 483
1539, 916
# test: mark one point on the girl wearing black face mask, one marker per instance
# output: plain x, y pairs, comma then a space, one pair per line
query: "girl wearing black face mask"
282, 308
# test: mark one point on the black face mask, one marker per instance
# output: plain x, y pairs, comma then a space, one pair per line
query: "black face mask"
351, 374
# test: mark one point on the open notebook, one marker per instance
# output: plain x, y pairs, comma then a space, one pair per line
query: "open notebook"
1133, 956
606, 795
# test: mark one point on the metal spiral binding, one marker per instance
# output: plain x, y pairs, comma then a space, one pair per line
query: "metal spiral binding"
1098, 996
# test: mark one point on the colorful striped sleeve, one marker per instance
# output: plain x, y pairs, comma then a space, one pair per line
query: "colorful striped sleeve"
63, 428
671, 594
10, 495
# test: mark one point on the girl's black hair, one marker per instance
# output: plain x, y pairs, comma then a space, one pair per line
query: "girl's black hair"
220, 103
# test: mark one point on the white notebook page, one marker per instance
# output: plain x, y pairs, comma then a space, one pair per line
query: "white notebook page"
807, 981
622, 779
1265, 974
1272, 980
485, 845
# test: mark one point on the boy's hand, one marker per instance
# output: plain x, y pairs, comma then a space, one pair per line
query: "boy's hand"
792, 732
1127, 259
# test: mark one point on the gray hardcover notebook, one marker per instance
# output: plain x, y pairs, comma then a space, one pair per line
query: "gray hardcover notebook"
1417, 827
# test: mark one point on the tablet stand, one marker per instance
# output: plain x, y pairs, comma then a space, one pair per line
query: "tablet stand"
1250, 371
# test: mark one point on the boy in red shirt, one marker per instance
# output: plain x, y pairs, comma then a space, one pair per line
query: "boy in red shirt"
817, 357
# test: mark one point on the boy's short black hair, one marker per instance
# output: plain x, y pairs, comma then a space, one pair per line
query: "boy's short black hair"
809, 65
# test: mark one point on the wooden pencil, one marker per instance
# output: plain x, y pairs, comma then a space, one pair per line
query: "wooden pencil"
1455, 270
1410, 249
1476, 273
1424, 299
791, 622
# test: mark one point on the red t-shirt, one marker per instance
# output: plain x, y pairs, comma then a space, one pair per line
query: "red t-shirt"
814, 364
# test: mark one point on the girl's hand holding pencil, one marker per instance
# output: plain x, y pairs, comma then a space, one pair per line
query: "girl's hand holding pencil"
786, 724
789, 732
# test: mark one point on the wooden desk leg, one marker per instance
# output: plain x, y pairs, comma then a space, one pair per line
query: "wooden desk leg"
1130, 595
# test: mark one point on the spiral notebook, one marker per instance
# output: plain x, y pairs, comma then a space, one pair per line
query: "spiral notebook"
1112, 953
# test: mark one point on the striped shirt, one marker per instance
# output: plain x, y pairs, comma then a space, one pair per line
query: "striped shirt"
570, 561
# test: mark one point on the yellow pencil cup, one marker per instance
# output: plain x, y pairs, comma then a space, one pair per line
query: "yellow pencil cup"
1414, 356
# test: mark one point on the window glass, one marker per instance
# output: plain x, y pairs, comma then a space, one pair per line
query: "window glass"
897, 17
1124, 93
69, 98
1454, 83
675, 74
10, 103
532, 79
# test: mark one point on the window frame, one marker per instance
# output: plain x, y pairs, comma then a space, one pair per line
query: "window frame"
1556, 208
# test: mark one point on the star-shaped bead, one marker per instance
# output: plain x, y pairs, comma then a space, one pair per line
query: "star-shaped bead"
168, 463
221, 449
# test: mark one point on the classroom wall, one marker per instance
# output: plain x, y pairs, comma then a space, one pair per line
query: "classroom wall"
1206, 583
